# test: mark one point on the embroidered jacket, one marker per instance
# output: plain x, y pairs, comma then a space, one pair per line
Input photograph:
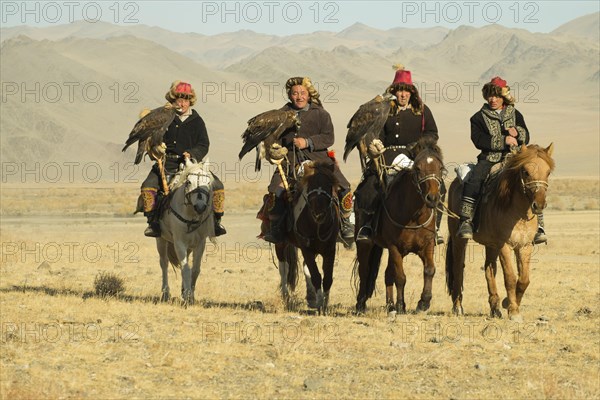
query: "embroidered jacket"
489, 130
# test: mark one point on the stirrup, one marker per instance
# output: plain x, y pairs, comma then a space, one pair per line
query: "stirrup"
465, 231
219, 229
540, 237
153, 230
439, 239
364, 233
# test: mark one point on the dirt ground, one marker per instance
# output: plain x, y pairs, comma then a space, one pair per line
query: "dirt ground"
59, 340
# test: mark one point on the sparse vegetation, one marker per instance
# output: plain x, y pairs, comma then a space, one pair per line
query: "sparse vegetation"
108, 284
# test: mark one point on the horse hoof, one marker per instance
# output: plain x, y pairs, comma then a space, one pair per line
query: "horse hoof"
165, 297
496, 313
458, 311
505, 303
423, 306
516, 318
392, 314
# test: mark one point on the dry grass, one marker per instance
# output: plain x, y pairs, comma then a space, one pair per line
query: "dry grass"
61, 340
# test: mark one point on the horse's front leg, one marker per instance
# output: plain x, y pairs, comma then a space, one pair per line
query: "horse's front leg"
490, 267
396, 259
315, 276
363, 252
162, 247
510, 283
426, 256
523, 257
284, 269
328, 263
197, 253
186, 272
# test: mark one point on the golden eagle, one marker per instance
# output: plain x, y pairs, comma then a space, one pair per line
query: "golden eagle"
149, 132
367, 123
266, 128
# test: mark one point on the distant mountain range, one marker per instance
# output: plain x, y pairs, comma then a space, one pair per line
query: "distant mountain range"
71, 93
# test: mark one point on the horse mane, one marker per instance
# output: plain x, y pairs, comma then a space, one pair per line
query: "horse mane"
509, 179
189, 169
321, 167
427, 146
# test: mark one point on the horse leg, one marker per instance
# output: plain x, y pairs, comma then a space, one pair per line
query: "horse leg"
523, 256
490, 268
328, 263
311, 292
315, 276
455, 268
198, 252
162, 247
186, 271
426, 256
396, 259
390, 280
510, 283
284, 269
363, 251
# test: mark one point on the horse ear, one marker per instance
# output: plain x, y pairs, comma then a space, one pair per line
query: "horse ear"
550, 149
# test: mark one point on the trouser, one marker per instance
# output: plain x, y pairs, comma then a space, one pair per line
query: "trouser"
472, 188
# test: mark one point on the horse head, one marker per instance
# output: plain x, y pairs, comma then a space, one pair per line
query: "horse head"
320, 187
428, 170
196, 180
529, 169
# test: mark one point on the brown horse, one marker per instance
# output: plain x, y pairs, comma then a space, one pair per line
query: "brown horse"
406, 224
313, 227
507, 224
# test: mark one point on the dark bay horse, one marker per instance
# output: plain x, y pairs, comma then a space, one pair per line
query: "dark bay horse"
313, 228
406, 224
507, 225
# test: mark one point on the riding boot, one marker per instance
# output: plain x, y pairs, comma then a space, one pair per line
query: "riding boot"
276, 233
219, 228
467, 209
439, 239
346, 227
149, 196
153, 229
540, 235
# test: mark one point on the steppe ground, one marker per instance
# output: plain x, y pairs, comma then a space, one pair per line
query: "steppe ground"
60, 340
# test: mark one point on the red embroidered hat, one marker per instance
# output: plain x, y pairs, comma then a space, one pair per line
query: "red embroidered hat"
497, 81
181, 89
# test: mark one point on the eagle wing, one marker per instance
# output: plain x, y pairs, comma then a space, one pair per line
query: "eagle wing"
149, 131
367, 123
266, 128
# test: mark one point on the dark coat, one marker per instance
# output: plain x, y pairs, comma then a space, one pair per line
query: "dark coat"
189, 135
316, 126
403, 128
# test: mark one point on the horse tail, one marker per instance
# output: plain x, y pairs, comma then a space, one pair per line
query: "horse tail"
374, 262
449, 268
291, 256
173, 256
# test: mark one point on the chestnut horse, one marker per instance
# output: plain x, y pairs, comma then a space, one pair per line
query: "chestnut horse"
507, 223
406, 224
313, 227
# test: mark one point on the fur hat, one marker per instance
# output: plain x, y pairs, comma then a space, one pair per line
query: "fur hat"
183, 90
306, 82
498, 87
402, 75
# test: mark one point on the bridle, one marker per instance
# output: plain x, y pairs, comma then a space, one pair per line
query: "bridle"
192, 225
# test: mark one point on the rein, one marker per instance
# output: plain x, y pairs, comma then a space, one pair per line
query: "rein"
332, 208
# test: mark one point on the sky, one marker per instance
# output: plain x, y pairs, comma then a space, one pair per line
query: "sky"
293, 17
